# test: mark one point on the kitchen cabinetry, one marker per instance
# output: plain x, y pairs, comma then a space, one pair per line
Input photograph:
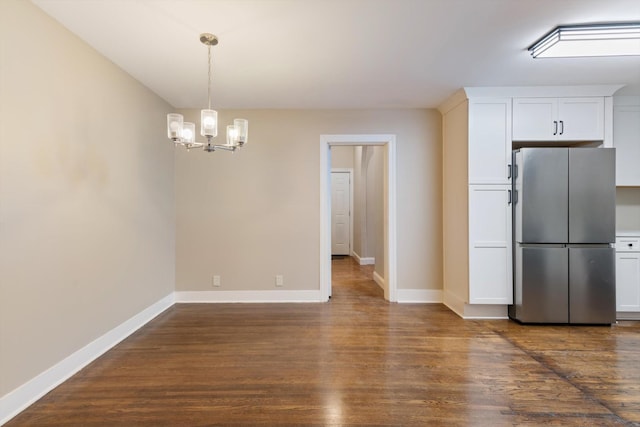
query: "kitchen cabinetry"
627, 275
558, 119
626, 140
490, 243
489, 147
477, 210
477, 126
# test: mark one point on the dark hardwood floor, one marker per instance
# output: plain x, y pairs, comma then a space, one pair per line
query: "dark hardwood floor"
356, 360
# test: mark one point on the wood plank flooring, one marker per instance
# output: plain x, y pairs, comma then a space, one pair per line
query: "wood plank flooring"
356, 360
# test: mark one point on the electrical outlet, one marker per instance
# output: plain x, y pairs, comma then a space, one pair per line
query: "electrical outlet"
215, 281
279, 281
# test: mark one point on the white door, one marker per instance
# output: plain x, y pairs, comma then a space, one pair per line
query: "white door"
490, 268
340, 206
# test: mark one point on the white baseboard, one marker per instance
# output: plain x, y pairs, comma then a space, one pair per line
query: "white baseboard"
19, 399
248, 296
627, 315
363, 260
378, 279
474, 311
427, 296
485, 312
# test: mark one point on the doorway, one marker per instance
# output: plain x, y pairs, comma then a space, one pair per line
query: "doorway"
388, 143
341, 211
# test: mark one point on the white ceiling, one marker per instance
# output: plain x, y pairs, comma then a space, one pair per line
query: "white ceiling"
341, 53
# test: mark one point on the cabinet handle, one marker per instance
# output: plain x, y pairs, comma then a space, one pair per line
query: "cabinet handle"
561, 127
509, 202
555, 127
508, 171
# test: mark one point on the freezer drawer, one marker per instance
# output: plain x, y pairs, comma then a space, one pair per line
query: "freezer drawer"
541, 285
592, 285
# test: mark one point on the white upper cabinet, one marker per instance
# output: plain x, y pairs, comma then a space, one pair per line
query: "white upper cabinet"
559, 119
626, 140
490, 141
581, 119
535, 119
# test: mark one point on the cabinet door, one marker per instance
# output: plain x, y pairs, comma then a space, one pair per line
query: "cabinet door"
628, 281
626, 140
535, 119
581, 119
490, 141
490, 243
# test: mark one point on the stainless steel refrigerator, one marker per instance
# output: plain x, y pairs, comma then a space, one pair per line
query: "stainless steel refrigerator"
564, 230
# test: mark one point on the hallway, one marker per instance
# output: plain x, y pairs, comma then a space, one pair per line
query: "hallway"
352, 281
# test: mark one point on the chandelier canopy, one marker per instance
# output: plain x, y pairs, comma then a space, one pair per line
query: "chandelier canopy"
184, 133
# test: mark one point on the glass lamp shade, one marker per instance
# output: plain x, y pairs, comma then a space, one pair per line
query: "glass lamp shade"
209, 123
232, 136
174, 126
188, 133
242, 130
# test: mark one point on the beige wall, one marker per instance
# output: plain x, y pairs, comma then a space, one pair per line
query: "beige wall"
255, 214
375, 207
342, 157
86, 195
359, 229
456, 203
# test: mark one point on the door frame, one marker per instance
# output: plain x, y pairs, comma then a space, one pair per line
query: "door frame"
388, 141
350, 172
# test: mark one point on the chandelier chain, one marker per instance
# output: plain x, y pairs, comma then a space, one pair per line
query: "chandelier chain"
209, 77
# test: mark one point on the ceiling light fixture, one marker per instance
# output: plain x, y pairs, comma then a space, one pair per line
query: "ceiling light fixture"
618, 39
183, 133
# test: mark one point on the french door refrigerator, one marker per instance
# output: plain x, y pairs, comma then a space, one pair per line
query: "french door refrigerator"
564, 229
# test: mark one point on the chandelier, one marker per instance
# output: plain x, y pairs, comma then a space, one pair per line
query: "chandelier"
184, 133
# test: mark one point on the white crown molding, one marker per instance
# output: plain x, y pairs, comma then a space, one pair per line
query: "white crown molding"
541, 91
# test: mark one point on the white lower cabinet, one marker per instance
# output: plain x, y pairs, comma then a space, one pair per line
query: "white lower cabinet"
490, 243
628, 274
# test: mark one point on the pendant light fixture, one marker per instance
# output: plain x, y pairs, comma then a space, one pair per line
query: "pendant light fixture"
183, 133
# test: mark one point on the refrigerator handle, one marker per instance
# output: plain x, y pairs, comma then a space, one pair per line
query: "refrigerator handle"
515, 197
555, 127
561, 127
515, 171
